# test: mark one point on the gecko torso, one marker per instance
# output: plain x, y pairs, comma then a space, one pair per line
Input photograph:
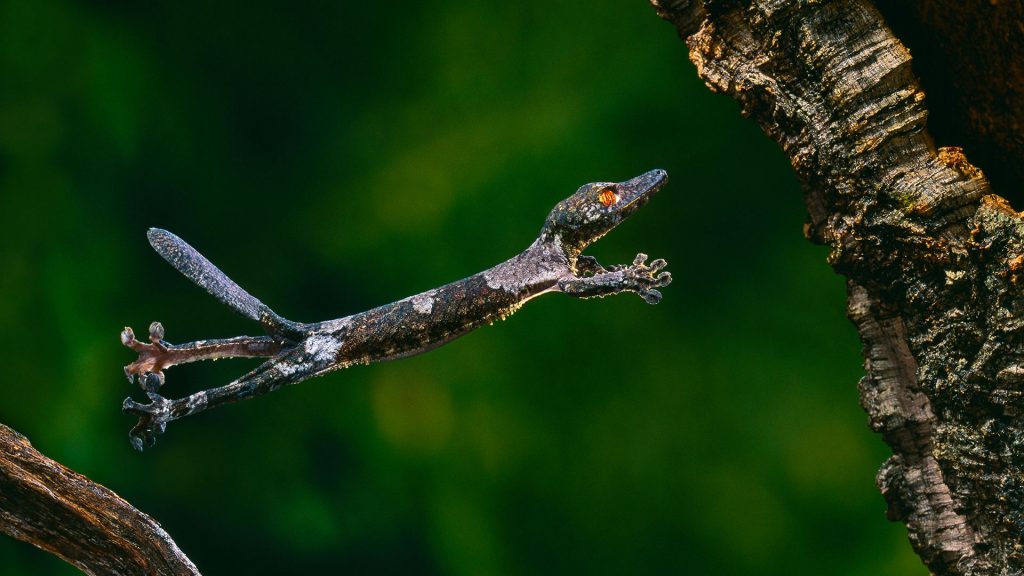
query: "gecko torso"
427, 320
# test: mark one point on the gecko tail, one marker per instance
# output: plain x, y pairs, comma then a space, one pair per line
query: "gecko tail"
200, 270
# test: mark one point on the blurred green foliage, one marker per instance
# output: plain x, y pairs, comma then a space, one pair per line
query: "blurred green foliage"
335, 156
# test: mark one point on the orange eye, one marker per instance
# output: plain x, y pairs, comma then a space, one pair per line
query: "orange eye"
607, 197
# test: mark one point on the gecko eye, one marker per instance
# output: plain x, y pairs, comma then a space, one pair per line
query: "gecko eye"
608, 197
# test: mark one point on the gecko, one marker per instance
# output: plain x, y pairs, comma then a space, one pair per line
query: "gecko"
296, 351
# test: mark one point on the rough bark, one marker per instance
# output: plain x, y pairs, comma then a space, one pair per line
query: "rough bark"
969, 55
934, 261
62, 512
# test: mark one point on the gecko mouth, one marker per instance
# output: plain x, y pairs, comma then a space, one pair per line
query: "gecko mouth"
637, 191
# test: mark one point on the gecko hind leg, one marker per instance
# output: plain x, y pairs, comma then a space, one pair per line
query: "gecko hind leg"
159, 354
289, 366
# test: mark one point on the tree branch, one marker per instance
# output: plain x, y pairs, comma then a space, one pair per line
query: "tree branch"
932, 261
62, 512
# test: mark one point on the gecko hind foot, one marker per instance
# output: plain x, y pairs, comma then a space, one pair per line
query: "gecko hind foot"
153, 419
153, 357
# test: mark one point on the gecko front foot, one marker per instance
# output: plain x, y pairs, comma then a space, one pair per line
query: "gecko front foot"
639, 277
644, 278
153, 419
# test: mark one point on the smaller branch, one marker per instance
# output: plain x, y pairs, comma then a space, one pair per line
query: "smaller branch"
58, 510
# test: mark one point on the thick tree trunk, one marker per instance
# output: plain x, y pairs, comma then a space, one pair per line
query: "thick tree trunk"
934, 261
60, 511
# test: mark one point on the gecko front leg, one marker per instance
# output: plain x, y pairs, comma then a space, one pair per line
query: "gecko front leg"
638, 277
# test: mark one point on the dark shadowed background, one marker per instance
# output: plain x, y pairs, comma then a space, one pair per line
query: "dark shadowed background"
332, 158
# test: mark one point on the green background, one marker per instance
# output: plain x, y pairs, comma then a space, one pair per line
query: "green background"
331, 158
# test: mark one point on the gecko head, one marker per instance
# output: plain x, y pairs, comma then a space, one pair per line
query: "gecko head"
596, 208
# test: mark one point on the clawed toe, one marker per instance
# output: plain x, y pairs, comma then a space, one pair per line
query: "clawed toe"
151, 381
141, 437
651, 296
156, 334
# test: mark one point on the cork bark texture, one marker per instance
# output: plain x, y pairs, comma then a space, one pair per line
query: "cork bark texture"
934, 259
969, 55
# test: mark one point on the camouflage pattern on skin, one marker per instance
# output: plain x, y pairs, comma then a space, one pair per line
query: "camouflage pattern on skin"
553, 263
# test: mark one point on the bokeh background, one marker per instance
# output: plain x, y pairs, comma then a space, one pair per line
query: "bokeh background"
332, 157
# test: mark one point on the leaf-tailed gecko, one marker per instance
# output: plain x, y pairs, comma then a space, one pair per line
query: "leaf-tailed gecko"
298, 351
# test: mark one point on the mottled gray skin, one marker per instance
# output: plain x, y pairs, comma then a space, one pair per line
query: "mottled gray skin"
553, 263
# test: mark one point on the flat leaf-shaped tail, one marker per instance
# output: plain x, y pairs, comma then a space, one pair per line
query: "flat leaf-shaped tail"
200, 270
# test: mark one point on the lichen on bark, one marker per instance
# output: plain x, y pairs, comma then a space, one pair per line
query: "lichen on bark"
934, 261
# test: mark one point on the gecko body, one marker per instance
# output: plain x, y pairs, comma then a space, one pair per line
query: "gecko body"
413, 325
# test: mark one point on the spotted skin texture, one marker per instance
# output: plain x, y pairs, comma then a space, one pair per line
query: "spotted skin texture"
417, 324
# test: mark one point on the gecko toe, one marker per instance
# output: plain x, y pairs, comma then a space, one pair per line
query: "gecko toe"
152, 381
137, 443
157, 406
651, 296
141, 438
156, 332
130, 406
